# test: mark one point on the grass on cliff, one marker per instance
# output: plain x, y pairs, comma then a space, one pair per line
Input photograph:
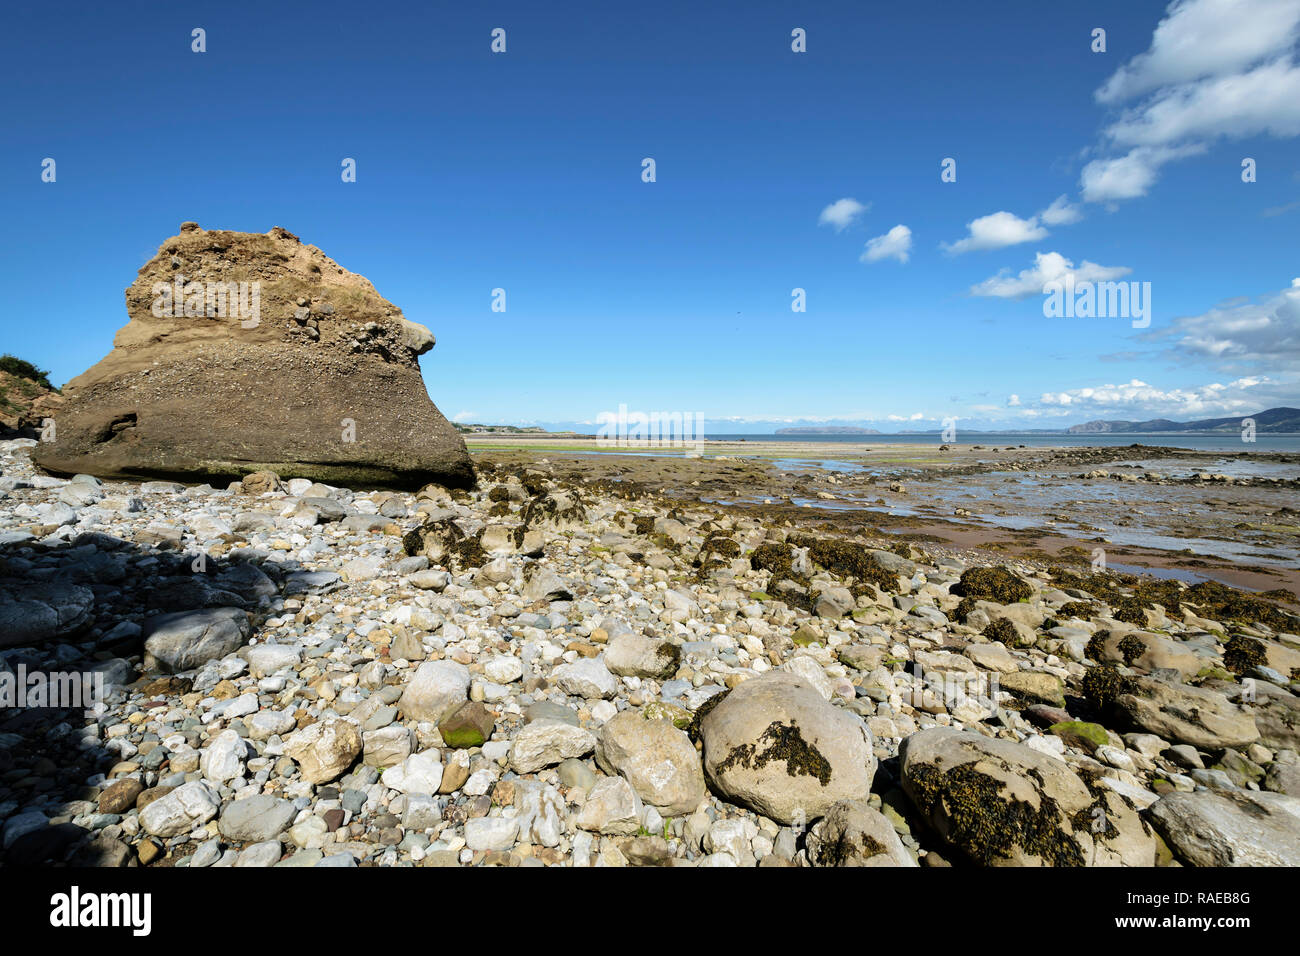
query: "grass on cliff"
21, 368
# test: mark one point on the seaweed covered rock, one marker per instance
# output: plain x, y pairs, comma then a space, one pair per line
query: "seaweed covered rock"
1005, 804
853, 833
441, 539
1010, 633
248, 352
775, 745
992, 584
850, 560
1148, 652
559, 510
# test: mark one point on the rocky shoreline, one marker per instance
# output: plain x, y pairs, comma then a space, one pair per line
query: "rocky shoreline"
564, 666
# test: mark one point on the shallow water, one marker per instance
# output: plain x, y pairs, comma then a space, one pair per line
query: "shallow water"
1230, 441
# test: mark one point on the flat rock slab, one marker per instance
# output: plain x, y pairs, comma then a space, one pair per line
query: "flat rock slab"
1183, 714
1231, 828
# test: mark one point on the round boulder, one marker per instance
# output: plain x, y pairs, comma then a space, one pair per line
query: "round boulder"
775, 745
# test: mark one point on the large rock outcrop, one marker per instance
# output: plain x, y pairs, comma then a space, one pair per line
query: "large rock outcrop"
247, 352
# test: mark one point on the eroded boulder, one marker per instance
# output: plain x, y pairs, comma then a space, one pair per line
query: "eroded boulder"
252, 352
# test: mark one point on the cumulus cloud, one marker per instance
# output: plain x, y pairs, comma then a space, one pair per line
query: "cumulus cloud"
1206, 38
1047, 267
1014, 401
842, 213
1001, 229
895, 244
1263, 100
997, 230
1136, 399
1237, 335
1131, 175
1215, 69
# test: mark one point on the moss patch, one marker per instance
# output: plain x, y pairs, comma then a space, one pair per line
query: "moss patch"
1080, 733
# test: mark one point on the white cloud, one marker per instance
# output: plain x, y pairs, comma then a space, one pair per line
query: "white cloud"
842, 213
997, 230
895, 244
1240, 334
1129, 176
1215, 69
1263, 100
466, 418
1013, 401
1206, 38
1048, 267
1136, 399
1060, 213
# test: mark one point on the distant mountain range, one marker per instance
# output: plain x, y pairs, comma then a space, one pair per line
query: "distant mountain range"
1273, 420
828, 430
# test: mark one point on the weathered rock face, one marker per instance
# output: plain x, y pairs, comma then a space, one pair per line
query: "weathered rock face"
305, 370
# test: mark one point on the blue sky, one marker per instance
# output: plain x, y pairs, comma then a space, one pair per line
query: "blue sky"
522, 170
